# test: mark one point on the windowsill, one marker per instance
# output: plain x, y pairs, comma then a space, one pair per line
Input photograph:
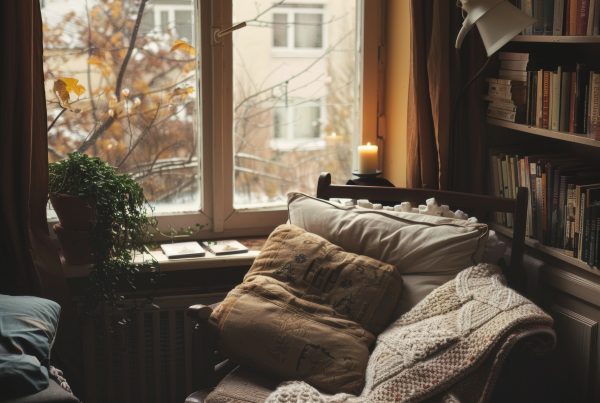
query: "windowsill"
209, 261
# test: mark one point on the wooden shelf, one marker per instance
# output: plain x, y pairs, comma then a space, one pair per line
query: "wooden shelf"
569, 137
548, 250
557, 39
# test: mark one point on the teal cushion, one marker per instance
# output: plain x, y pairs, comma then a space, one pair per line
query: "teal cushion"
27, 331
21, 375
28, 325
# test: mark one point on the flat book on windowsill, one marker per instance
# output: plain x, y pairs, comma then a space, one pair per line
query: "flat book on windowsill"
182, 250
224, 247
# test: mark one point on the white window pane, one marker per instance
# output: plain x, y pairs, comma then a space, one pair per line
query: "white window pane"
286, 106
308, 30
280, 30
307, 121
143, 120
183, 23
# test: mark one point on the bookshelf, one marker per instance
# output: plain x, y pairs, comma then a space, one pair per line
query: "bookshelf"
565, 286
568, 137
557, 39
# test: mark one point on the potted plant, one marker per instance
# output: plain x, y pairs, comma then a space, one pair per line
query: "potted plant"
103, 214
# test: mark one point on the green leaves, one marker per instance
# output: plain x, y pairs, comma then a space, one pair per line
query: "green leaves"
121, 222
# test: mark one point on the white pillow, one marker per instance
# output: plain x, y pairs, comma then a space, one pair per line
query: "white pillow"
432, 248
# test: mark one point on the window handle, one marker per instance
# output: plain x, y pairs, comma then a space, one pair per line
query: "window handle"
220, 33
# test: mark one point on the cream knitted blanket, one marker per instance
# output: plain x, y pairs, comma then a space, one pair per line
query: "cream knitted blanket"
438, 343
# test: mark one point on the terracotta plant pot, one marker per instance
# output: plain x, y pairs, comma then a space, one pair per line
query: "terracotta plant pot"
76, 245
74, 213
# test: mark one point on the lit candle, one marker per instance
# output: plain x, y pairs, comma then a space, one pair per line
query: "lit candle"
367, 159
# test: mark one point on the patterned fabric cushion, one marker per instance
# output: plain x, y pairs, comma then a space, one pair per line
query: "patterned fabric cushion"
308, 310
431, 248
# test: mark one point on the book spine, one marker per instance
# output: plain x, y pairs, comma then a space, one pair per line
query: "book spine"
573, 9
580, 98
594, 107
527, 7
495, 190
556, 84
565, 87
578, 213
555, 210
593, 242
539, 99
585, 249
582, 17
559, 9
591, 16
534, 205
546, 101
572, 102
501, 184
548, 16
568, 244
562, 202
544, 211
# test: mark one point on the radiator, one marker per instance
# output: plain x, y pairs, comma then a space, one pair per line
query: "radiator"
148, 360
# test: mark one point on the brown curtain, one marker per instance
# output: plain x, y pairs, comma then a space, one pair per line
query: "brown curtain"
438, 157
29, 261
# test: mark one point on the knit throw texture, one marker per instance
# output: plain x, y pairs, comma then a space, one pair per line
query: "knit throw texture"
438, 343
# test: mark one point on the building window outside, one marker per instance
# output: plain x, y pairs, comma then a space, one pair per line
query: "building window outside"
298, 27
144, 109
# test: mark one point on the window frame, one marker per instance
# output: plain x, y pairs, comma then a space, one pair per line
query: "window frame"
219, 217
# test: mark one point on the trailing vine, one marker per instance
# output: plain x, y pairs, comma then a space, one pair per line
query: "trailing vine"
120, 230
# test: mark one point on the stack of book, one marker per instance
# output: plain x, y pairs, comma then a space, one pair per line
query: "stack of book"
564, 200
562, 17
507, 94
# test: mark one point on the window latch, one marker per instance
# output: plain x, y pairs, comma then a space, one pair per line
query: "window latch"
220, 33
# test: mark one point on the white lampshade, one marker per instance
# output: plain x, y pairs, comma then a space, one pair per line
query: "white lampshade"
498, 22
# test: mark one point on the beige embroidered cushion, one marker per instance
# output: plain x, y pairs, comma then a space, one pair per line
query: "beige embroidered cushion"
307, 310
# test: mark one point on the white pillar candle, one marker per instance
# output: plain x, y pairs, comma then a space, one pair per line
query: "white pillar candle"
367, 159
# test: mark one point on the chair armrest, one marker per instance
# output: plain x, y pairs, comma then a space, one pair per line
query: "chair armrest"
205, 357
200, 312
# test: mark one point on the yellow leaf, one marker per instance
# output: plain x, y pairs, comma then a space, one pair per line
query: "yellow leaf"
72, 85
60, 89
181, 92
95, 60
184, 47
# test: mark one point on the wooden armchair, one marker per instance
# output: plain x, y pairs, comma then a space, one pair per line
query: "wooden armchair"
211, 367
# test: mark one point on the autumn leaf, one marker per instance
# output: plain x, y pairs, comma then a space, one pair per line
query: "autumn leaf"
63, 87
181, 92
184, 47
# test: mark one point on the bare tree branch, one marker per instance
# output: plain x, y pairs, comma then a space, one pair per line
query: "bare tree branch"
108, 122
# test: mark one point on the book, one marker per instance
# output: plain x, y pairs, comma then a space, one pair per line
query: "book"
513, 56
559, 10
546, 100
501, 114
517, 65
594, 107
520, 76
565, 91
555, 98
591, 17
582, 17
182, 250
225, 247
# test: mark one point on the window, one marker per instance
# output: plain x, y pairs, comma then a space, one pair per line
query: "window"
298, 26
294, 124
217, 131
